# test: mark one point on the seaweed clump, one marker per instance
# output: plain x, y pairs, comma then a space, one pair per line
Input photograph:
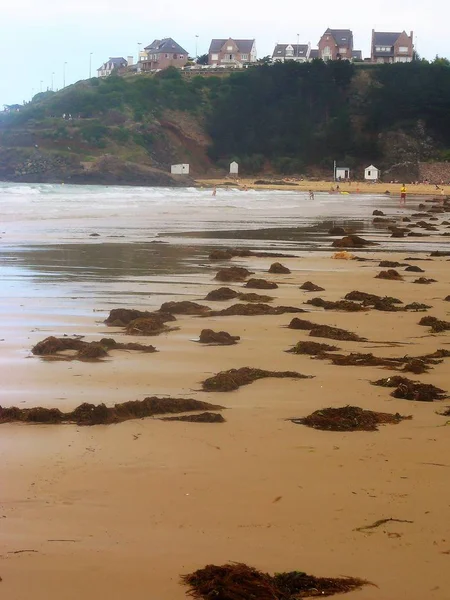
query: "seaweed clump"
408, 389
345, 305
255, 309
217, 338
253, 297
237, 581
437, 325
424, 280
206, 417
348, 418
353, 241
302, 324
417, 364
311, 348
53, 346
334, 333
120, 317
100, 414
228, 381
147, 326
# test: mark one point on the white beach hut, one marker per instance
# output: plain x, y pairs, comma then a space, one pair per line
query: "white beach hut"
182, 169
234, 168
342, 173
371, 173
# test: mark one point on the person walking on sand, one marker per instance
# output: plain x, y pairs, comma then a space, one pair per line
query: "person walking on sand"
214, 192
403, 195
311, 195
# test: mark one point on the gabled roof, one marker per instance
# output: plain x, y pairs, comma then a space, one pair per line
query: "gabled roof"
372, 168
385, 38
299, 50
115, 61
244, 46
343, 37
165, 45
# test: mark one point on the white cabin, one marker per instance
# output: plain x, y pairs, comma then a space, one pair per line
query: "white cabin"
371, 173
342, 173
182, 169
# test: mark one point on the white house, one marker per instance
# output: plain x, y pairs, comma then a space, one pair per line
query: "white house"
342, 173
371, 173
111, 65
182, 169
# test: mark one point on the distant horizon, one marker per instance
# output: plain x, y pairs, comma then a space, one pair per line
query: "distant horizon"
54, 41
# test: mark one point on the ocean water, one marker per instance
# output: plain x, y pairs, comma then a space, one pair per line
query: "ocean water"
46, 214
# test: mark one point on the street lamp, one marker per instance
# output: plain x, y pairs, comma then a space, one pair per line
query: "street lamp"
139, 51
298, 44
64, 74
90, 64
196, 43
52, 81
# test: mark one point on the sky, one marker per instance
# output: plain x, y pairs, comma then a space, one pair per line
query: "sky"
40, 40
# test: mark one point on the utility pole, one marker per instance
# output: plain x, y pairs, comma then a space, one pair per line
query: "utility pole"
298, 44
90, 64
196, 46
139, 52
41, 82
64, 74
52, 81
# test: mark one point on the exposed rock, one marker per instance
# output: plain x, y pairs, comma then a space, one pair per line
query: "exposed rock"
378, 213
278, 268
222, 293
353, 241
218, 338
301, 324
391, 264
414, 269
185, 307
390, 274
337, 231
309, 286
233, 274
252, 297
261, 284
424, 280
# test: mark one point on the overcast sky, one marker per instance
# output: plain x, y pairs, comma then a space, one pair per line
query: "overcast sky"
38, 37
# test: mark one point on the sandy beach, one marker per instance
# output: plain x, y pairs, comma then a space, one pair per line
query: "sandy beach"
122, 510
354, 187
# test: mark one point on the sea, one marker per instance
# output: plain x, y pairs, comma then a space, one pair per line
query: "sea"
86, 246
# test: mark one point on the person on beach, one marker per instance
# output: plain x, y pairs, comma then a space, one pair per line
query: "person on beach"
311, 195
214, 192
403, 195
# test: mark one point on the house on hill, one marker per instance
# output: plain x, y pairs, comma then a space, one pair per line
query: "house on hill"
295, 52
161, 54
337, 44
113, 64
390, 47
231, 52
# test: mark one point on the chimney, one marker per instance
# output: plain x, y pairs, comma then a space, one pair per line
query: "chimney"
130, 61
411, 36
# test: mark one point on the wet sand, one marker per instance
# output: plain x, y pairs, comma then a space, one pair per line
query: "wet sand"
122, 510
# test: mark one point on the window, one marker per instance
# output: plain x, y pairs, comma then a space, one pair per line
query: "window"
342, 50
214, 57
403, 49
181, 56
326, 54
245, 57
166, 55
229, 48
175, 56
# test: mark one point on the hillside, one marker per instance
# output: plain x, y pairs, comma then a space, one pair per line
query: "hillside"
284, 118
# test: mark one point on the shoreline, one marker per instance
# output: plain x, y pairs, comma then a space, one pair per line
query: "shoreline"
325, 186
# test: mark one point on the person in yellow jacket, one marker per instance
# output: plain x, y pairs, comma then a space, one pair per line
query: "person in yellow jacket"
403, 195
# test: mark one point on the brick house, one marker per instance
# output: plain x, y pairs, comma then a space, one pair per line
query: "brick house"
231, 52
161, 54
295, 52
337, 44
391, 47
113, 64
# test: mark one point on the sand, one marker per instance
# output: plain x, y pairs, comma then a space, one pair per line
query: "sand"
360, 187
120, 511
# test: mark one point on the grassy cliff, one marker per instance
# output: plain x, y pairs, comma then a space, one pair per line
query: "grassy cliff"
286, 118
